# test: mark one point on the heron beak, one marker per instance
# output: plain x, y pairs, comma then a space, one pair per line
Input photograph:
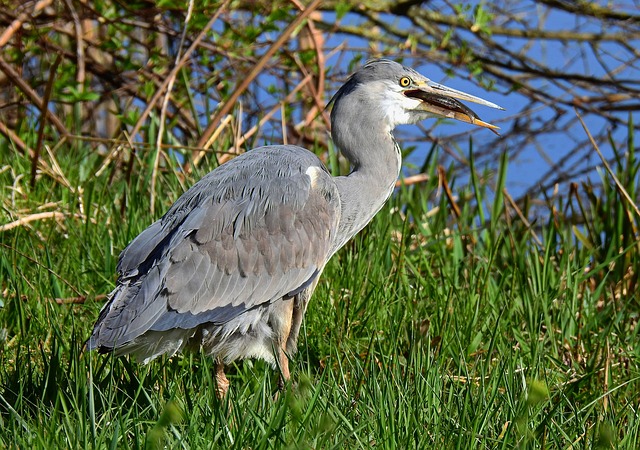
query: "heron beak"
442, 101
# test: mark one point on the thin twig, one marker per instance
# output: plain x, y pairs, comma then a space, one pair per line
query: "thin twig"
318, 108
619, 185
413, 179
13, 137
17, 23
238, 130
202, 151
316, 38
80, 61
31, 218
31, 94
176, 68
127, 142
443, 181
522, 217
78, 300
45, 105
242, 139
246, 81
163, 109
56, 171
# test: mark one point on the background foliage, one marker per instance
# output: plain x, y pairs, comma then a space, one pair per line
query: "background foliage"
173, 73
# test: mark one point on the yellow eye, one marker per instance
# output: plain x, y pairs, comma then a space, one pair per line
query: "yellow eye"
405, 81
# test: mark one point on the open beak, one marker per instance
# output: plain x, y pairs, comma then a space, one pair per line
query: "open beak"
442, 101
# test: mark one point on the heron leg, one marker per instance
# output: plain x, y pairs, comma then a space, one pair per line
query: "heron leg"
222, 383
297, 315
283, 363
281, 318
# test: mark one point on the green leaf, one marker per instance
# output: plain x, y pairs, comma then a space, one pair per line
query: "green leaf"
342, 8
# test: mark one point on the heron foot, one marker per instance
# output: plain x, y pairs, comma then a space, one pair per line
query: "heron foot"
283, 365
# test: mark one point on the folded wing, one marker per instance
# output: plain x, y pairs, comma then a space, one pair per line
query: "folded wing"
255, 230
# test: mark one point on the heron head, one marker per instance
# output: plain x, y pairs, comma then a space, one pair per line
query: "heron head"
405, 96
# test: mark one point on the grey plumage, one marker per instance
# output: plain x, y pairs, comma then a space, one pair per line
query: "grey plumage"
236, 231
231, 266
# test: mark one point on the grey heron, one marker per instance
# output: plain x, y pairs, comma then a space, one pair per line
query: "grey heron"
231, 266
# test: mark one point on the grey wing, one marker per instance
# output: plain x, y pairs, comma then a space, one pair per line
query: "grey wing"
257, 229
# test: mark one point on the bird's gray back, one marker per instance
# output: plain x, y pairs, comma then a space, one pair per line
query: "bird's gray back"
254, 230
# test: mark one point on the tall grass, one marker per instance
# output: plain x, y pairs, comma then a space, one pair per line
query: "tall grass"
429, 330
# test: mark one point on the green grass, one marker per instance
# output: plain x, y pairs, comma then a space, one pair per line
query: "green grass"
427, 330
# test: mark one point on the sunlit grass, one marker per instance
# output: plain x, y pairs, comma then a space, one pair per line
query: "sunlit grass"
428, 330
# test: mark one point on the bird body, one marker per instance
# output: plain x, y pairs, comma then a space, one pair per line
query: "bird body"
253, 232
231, 266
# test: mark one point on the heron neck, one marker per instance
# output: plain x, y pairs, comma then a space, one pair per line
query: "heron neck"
376, 163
